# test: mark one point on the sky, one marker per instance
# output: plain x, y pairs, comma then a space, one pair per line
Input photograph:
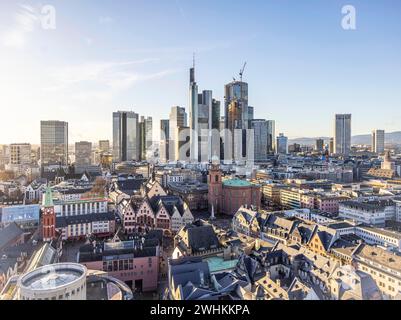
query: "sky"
103, 56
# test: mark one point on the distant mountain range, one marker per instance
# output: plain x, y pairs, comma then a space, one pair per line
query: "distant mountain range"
391, 137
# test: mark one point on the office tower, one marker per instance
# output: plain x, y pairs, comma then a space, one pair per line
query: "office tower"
182, 151
222, 134
282, 144
294, 148
164, 140
126, 136
236, 117
193, 114
20, 153
214, 125
178, 118
319, 145
142, 138
342, 134
205, 105
236, 91
250, 115
104, 146
53, 143
260, 129
331, 146
146, 136
3, 158
378, 137
83, 154
271, 136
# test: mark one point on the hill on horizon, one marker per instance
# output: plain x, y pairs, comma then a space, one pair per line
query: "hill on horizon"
391, 137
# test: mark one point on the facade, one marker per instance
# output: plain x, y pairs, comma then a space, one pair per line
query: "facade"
20, 154
194, 194
193, 115
164, 141
104, 146
384, 267
229, 195
62, 281
178, 118
205, 104
126, 136
53, 143
374, 213
319, 146
271, 136
83, 154
154, 210
282, 144
79, 227
236, 116
378, 139
48, 217
134, 262
261, 138
146, 137
182, 144
342, 134
215, 127
20, 214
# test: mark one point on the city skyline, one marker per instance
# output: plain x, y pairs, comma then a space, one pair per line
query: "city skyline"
301, 65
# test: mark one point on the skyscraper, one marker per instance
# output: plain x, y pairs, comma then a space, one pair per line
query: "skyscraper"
271, 136
53, 143
193, 114
319, 145
260, 127
214, 125
378, 137
104, 146
20, 153
83, 154
342, 134
282, 144
164, 140
146, 136
178, 118
205, 104
126, 136
236, 116
250, 116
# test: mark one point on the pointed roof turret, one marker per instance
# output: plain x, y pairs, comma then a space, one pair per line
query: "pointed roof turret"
48, 201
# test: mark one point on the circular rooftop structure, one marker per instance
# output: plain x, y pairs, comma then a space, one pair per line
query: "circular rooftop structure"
236, 183
62, 281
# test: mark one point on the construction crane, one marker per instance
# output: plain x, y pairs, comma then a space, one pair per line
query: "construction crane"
241, 72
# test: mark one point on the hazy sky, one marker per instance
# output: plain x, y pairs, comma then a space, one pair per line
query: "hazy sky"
103, 56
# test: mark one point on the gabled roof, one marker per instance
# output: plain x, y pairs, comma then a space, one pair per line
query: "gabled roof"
170, 203
200, 237
62, 222
129, 186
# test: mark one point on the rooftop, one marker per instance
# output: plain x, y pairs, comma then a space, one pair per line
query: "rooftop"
236, 183
53, 276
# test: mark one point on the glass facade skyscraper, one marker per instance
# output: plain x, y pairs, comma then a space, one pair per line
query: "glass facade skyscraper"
53, 143
342, 134
126, 136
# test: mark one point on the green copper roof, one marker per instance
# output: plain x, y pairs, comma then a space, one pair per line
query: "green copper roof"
236, 183
48, 198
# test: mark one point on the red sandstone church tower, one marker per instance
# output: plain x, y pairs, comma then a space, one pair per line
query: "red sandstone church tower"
215, 195
48, 217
